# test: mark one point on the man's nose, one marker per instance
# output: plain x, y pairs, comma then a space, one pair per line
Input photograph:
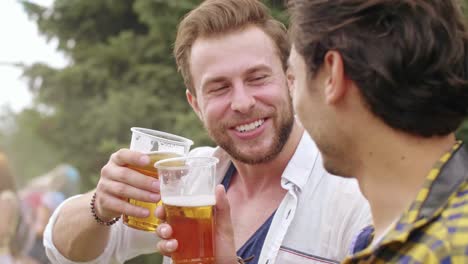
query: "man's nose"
242, 99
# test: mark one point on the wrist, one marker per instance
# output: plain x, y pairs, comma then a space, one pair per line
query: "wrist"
97, 218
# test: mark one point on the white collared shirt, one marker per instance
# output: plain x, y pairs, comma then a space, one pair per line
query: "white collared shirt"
315, 222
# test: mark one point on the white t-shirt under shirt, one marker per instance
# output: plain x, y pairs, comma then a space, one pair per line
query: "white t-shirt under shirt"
315, 222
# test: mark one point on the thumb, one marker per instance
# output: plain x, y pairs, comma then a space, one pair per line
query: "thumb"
225, 247
222, 203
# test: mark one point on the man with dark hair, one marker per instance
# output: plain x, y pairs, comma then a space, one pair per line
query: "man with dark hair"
381, 86
233, 57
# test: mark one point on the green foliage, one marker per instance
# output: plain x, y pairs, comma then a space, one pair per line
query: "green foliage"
29, 153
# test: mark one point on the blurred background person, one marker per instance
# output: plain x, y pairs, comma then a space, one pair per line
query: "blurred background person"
42, 195
10, 212
63, 178
48, 203
14, 231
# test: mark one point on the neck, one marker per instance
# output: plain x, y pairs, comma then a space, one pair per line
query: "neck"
393, 170
253, 178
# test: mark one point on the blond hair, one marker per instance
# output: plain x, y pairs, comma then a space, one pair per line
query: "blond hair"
219, 17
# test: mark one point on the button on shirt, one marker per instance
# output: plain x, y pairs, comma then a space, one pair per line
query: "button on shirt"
314, 223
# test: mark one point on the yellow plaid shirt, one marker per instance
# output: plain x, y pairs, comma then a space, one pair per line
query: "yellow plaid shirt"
435, 228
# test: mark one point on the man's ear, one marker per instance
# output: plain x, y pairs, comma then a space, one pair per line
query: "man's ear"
192, 100
335, 81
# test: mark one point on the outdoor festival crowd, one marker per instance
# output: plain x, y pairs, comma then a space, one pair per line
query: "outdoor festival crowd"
24, 212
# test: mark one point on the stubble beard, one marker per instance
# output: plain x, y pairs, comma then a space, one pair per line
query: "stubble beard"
283, 127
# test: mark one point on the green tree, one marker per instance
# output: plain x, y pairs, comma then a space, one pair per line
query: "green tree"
121, 74
21, 135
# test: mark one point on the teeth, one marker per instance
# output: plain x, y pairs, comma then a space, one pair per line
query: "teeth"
251, 126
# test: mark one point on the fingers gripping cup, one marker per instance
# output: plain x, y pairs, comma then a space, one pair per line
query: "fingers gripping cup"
187, 192
158, 146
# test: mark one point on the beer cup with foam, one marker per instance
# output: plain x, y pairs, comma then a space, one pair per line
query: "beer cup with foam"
187, 192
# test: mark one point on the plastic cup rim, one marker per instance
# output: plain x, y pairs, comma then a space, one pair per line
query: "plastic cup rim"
160, 164
165, 137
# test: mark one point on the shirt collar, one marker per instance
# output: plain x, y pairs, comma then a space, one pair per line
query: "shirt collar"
445, 177
442, 181
302, 162
452, 174
296, 172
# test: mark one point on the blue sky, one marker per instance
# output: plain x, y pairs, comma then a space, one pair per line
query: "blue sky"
20, 42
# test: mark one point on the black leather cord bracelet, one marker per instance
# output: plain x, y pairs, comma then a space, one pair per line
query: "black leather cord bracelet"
93, 212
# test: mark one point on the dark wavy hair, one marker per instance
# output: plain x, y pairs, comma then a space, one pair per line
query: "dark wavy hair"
408, 57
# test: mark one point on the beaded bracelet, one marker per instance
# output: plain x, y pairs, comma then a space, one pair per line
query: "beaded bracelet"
99, 220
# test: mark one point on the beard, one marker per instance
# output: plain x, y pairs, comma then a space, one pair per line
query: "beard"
283, 123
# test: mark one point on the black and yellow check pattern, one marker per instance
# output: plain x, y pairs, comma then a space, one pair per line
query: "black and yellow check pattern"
435, 228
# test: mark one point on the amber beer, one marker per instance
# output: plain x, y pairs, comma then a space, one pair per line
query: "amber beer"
151, 222
192, 221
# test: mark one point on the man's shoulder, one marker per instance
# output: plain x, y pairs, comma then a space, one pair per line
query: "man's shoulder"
445, 238
447, 233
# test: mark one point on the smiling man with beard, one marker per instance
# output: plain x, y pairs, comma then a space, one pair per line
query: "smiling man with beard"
233, 57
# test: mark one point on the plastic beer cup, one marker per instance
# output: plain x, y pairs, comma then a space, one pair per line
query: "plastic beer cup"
187, 193
158, 146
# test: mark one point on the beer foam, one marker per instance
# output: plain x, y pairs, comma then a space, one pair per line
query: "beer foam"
190, 201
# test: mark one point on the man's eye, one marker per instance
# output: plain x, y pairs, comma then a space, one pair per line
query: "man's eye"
218, 89
258, 78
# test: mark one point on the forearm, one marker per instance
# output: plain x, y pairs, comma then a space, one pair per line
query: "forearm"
76, 234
